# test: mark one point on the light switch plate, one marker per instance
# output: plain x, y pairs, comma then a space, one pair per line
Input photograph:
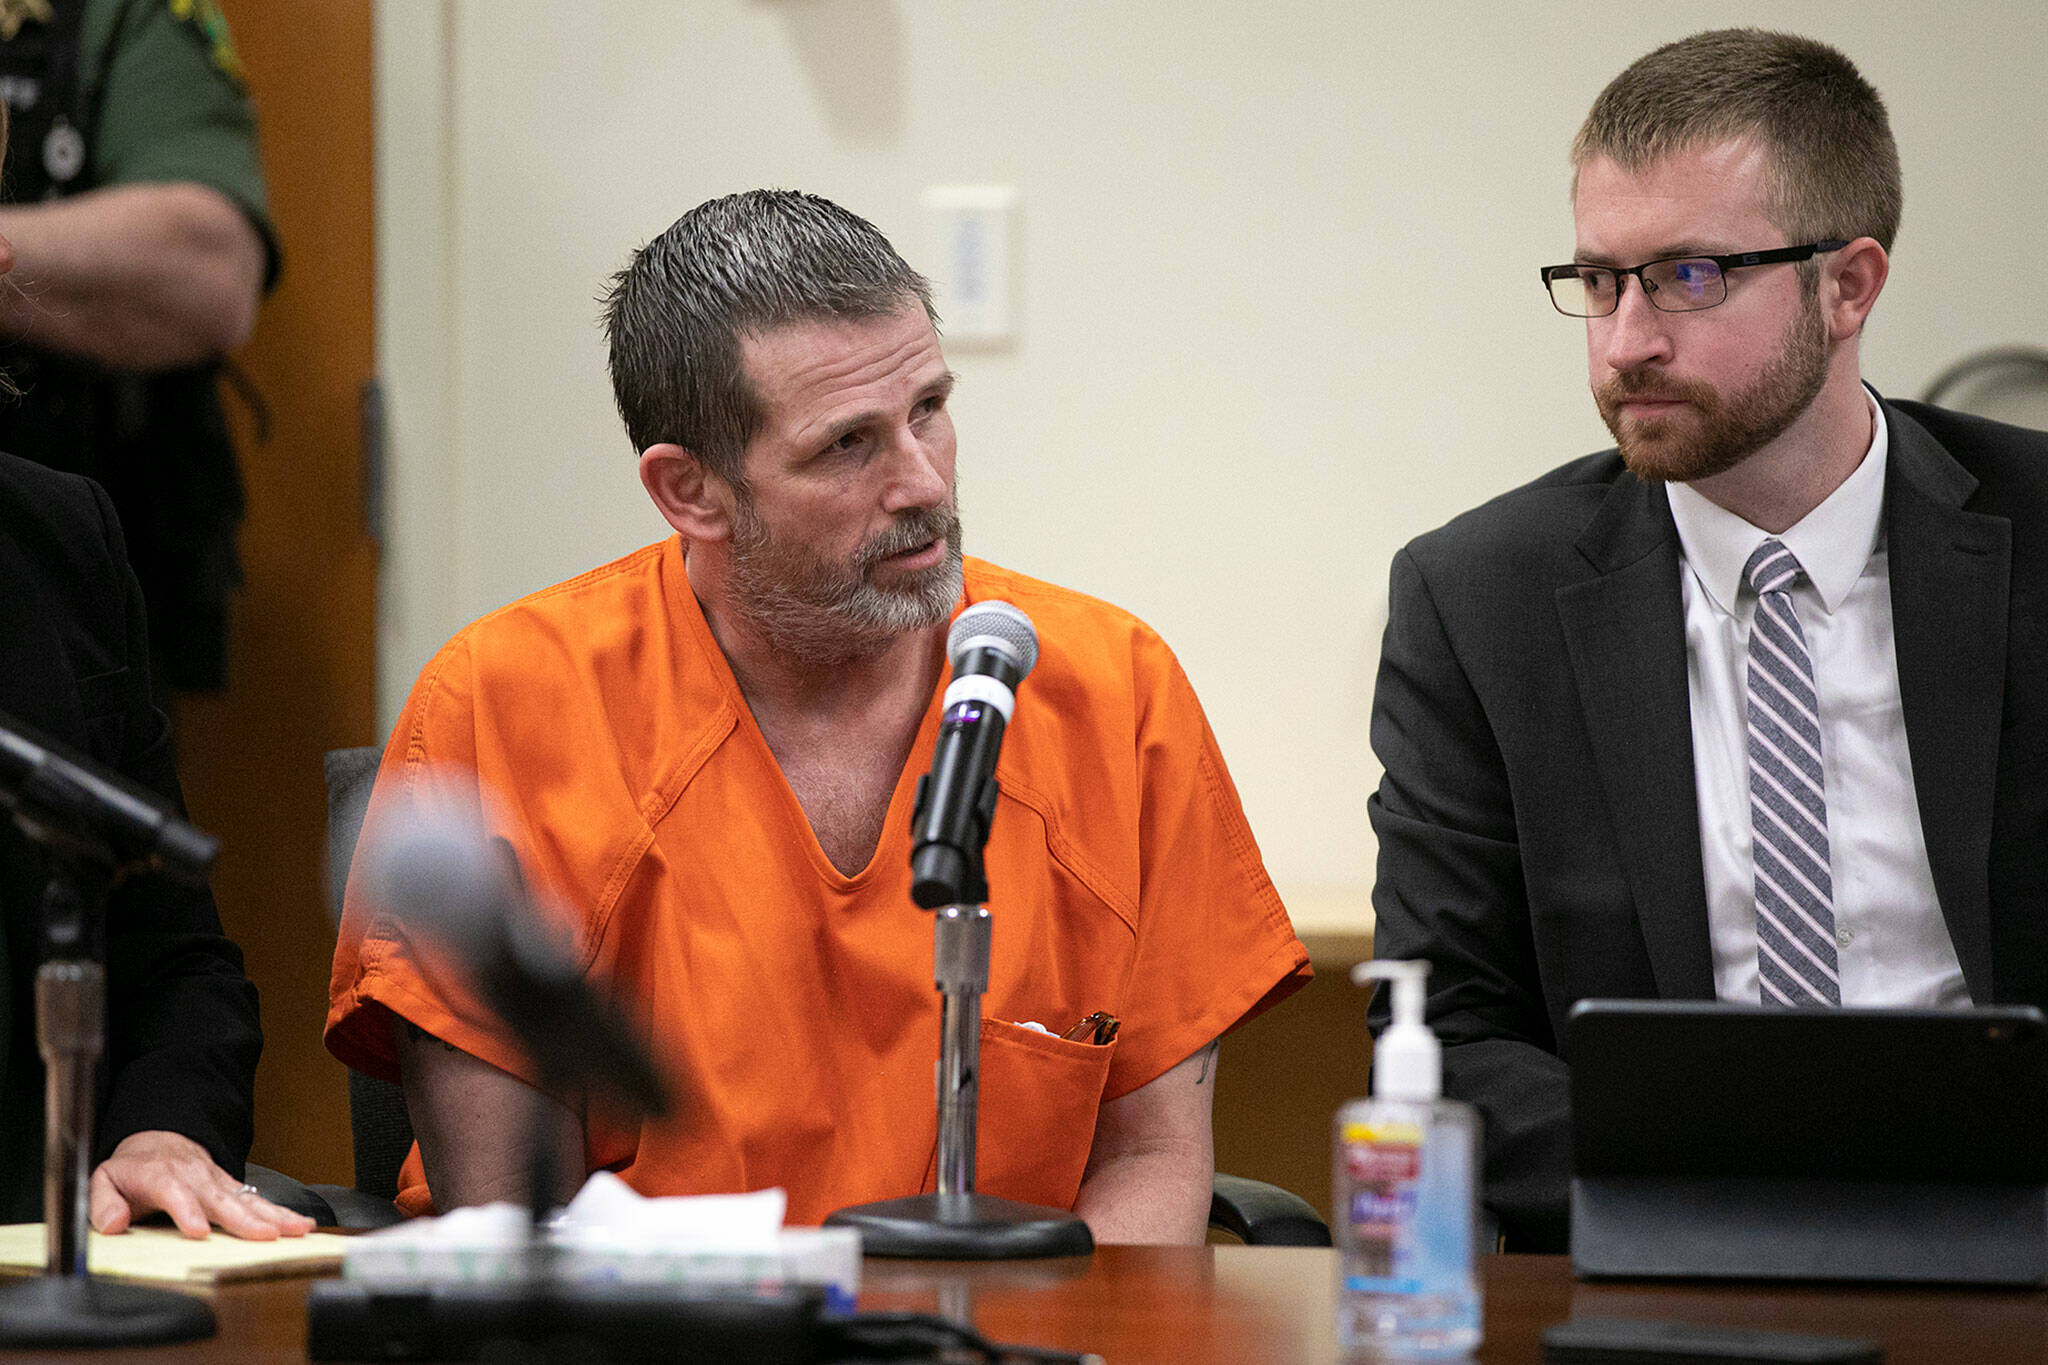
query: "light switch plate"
974, 236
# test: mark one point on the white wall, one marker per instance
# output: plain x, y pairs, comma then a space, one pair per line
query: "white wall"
1279, 307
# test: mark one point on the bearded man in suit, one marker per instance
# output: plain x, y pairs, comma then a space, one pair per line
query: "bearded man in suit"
1750, 706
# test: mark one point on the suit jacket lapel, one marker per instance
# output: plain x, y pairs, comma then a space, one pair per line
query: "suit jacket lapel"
1950, 580
1625, 633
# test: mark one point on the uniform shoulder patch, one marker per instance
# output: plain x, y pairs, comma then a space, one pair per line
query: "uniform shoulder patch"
212, 25
15, 13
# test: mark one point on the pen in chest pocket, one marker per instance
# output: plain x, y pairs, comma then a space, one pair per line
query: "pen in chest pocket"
1097, 1028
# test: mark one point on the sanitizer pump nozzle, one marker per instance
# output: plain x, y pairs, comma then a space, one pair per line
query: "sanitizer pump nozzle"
1404, 1181
1407, 1062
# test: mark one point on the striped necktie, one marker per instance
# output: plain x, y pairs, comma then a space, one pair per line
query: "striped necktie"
1788, 812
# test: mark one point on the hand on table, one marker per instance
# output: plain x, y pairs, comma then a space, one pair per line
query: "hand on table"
159, 1172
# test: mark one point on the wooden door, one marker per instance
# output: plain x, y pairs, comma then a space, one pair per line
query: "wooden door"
302, 669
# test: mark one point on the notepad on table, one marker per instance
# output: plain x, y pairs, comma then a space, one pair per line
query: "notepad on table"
167, 1255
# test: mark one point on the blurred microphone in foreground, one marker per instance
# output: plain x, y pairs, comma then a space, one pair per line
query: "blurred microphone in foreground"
443, 875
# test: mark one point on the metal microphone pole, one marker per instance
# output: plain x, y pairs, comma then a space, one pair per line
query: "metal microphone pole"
66, 1306
960, 970
956, 1223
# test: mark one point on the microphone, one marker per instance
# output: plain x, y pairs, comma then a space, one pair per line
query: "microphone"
444, 875
85, 806
992, 647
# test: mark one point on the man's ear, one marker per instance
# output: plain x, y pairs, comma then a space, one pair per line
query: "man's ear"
1858, 272
691, 498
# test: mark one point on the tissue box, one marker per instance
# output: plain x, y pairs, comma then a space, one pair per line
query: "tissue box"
613, 1236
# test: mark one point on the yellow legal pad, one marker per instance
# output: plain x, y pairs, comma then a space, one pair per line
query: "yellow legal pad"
165, 1254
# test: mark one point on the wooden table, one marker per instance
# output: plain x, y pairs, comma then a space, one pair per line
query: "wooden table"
1245, 1305
1134, 1305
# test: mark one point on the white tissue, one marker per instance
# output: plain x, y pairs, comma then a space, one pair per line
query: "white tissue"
608, 1211
611, 1234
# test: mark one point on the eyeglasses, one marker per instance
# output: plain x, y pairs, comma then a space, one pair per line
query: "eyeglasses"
1676, 284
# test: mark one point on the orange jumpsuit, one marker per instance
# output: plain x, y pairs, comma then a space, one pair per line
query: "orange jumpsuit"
791, 1006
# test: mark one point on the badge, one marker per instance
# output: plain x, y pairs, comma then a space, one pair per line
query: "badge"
205, 16
15, 13
63, 152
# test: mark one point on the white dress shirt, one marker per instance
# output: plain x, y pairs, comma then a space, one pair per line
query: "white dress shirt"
1892, 945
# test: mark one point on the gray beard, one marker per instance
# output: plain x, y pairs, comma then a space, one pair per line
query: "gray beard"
806, 608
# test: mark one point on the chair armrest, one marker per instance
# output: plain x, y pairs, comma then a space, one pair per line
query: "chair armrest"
286, 1192
355, 1209
1264, 1215
329, 1206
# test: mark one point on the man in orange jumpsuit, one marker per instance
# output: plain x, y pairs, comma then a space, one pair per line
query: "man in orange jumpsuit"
706, 751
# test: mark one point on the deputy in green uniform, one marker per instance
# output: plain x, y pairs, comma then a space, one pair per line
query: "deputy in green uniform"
135, 202
134, 205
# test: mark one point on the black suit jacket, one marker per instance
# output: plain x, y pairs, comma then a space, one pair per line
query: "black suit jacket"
182, 1035
1538, 826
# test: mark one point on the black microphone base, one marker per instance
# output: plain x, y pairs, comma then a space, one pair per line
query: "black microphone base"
694, 1325
964, 1227
71, 1310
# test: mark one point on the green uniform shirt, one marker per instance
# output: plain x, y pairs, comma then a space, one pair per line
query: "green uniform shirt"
165, 79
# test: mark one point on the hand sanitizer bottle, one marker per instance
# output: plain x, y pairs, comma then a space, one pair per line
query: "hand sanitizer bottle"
1405, 1191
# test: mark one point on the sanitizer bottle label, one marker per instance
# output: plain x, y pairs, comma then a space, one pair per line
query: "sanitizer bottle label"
1383, 1166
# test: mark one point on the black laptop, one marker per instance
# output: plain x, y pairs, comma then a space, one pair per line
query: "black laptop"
1838, 1144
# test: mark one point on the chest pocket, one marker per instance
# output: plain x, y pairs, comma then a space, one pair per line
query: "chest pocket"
1036, 1120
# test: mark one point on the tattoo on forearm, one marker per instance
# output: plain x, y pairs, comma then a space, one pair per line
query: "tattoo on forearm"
1208, 1058
420, 1035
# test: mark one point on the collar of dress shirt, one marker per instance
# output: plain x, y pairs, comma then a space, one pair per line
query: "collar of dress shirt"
1832, 542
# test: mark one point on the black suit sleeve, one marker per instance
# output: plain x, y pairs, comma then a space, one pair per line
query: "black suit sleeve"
182, 1032
1450, 892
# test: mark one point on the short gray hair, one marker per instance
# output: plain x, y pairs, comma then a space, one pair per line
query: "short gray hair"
730, 268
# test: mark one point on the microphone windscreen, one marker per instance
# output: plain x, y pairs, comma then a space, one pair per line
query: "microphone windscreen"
996, 623
436, 869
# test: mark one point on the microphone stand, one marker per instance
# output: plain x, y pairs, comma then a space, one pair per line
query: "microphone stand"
542, 1305
576, 1038
956, 1223
537, 1314
66, 1305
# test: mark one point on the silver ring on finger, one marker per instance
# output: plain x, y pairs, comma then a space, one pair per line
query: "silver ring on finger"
248, 1189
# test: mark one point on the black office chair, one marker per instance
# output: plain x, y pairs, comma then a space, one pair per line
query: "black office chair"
1259, 1214
379, 1125
1250, 1210
2005, 383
